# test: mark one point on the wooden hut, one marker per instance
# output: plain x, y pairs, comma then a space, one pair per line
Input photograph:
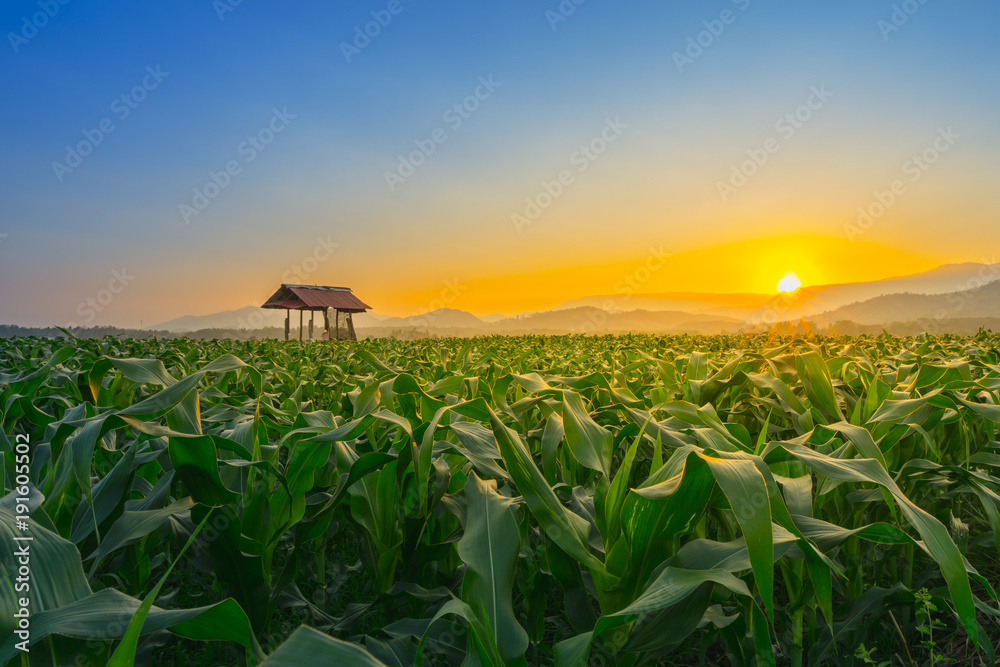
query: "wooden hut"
314, 298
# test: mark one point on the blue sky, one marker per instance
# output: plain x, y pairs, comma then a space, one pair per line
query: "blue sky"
324, 174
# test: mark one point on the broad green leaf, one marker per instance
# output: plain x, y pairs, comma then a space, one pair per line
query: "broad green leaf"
589, 442
490, 549
307, 647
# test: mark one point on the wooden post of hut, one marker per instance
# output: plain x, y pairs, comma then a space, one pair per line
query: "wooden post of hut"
318, 297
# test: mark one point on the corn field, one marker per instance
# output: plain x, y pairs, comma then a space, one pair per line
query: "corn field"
616, 500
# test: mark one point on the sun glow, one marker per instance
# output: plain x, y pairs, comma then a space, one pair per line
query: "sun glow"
789, 283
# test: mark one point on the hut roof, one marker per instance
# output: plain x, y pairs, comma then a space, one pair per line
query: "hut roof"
316, 297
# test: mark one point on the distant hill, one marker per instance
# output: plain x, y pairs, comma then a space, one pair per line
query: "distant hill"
811, 300
586, 319
948, 290
446, 318
250, 317
368, 319
725, 305
943, 279
980, 303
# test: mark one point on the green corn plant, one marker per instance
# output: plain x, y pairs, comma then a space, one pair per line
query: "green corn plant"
562, 500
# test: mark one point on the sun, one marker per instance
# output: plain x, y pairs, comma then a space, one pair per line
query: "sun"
789, 283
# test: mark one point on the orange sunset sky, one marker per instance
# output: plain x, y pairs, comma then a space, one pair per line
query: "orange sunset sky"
498, 170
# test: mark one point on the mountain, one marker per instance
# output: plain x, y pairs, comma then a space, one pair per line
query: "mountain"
725, 305
587, 319
444, 318
809, 301
979, 303
970, 290
369, 319
250, 317
942, 280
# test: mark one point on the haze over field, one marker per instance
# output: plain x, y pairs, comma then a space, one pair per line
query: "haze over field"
945, 298
501, 158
